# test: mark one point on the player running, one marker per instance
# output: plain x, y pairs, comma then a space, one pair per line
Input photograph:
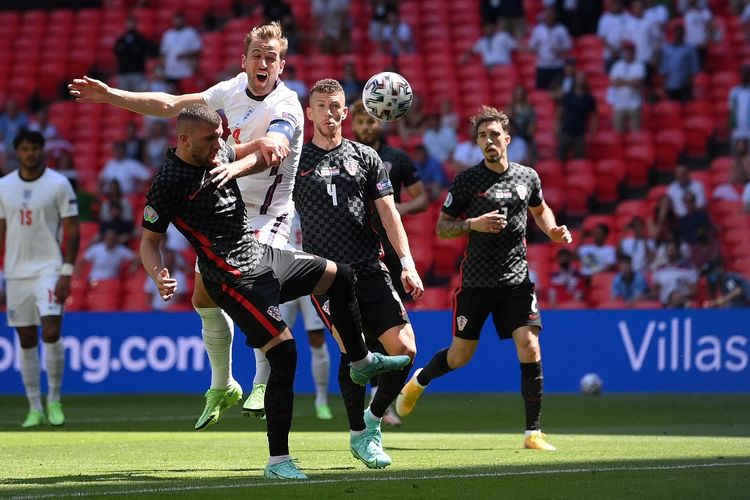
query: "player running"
34, 202
402, 173
245, 278
262, 112
489, 203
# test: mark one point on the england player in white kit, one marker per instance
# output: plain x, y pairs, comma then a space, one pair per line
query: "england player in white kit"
262, 111
34, 203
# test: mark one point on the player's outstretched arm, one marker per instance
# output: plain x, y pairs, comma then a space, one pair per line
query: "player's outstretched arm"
545, 219
161, 104
151, 259
391, 220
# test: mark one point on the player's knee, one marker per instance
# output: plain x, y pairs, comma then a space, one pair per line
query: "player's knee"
343, 282
201, 299
28, 337
50, 333
459, 357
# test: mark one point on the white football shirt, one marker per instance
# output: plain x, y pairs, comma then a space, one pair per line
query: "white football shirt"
267, 193
32, 211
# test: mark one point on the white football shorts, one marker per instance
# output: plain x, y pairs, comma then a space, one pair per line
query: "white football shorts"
30, 299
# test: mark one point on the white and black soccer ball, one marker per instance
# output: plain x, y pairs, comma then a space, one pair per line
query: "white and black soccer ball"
387, 96
591, 384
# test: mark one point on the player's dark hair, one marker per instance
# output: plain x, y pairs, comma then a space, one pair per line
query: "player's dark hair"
31, 136
357, 108
270, 31
488, 114
198, 113
326, 86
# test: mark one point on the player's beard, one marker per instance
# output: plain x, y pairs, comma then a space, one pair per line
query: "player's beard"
328, 132
494, 156
368, 137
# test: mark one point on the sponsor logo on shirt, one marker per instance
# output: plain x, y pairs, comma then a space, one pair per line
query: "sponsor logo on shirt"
461, 322
150, 215
305, 173
274, 312
383, 185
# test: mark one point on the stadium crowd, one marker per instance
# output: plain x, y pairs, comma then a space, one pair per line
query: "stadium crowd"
636, 114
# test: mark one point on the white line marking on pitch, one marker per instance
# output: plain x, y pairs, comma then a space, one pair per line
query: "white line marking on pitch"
174, 489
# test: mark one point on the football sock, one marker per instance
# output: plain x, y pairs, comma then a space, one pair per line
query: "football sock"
353, 394
217, 332
345, 314
371, 420
30, 377
437, 367
391, 384
262, 368
321, 367
278, 459
532, 388
362, 363
54, 359
279, 400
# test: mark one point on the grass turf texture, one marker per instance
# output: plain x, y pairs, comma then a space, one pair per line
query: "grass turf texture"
453, 446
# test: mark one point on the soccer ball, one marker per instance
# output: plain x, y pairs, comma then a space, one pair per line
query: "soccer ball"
387, 96
591, 384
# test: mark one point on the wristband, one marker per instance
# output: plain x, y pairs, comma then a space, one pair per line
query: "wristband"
67, 269
407, 261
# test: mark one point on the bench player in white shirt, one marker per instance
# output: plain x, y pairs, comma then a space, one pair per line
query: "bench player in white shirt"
262, 111
34, 202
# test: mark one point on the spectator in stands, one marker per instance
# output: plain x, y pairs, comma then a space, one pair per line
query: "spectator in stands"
12, 120
732, 189
397, 36
598, 256
157, 82
656, 12
637, 246
576, 116
678, 64
746, 198
739, 105
130, 173
565, 283
519, 150
676, 281
123, 228
741, 147
727, 289
180, 46
438, 140
698, 28
431, 173
695, 220
113, 197
412, 125
156, 144
612, 29
448, 117
508, 12
134, 144
132, 49
551, 41
169, 261
294, 83
108, 258
467, 153
706, 249
279, 10
682, 185
332, 20
625, 93
351, 84
380, 11
522, 119
646, 35
65, 167
663, 224
628, 284
40, 123
565, 84
495, 47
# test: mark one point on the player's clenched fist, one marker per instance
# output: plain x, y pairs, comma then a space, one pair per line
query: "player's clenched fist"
560, 234
167, 286
491, 222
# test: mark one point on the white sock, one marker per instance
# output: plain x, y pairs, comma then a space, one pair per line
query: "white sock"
278, 459
262, 368
321, 365
217, 332
54, 360
530, 433
357, 433
364, 362
30, 377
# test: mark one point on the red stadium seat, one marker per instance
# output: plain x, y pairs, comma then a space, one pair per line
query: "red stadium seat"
104, 295
605, 144
640, 159
698, 131
669, 144
665, 115
434, 298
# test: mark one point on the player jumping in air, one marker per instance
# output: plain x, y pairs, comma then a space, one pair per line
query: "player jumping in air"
262, 112
34, 202
245, 278
494, 197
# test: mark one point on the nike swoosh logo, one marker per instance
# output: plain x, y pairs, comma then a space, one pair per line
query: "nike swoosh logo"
305, 173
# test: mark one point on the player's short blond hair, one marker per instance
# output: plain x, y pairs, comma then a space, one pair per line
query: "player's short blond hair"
357, 108
270, 31
487, 114
326, 86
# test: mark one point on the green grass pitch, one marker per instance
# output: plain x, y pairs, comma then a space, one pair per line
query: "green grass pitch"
453, 446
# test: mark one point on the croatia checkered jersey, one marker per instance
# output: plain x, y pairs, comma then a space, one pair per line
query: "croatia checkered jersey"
334, 194
249, 118
495, 259
32, 211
